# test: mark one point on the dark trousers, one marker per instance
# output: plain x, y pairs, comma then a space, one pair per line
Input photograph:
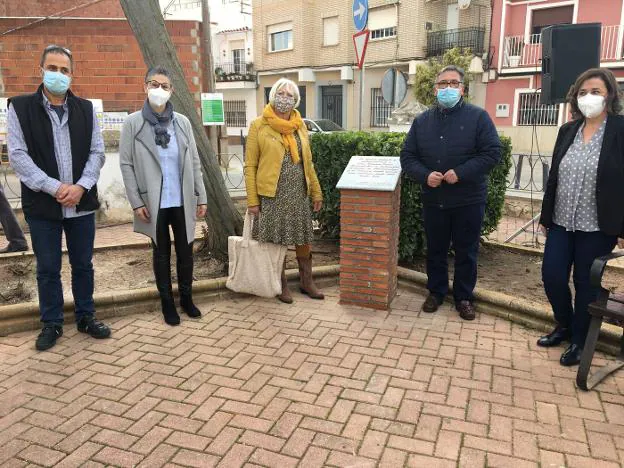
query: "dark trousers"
462, 227
46, 238
564, 249
173, 217
10, 226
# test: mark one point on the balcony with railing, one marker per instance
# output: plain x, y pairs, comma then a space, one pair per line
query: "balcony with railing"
235, 71
472, 38
526, 51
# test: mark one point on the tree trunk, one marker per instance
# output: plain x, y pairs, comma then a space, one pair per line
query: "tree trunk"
147, 23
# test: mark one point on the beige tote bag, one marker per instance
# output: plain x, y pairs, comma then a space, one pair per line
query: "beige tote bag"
254, 267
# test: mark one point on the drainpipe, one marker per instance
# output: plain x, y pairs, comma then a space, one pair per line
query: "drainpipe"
490, 38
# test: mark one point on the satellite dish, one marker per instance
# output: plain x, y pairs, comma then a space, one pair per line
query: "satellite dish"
394, 87
463, 4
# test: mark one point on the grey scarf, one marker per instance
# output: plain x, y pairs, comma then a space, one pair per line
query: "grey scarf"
160, 122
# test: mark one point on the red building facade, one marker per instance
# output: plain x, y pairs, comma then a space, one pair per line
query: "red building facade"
108, 61
514, 78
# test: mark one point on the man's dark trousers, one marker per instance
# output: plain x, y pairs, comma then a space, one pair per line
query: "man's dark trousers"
10, 226
460, 226
46, 238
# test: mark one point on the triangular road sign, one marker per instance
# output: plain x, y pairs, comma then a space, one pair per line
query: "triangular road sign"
360, 42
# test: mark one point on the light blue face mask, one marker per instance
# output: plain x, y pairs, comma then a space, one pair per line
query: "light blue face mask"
56, 82
448, 97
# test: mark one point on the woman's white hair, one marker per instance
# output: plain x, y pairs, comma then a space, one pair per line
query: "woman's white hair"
281, 83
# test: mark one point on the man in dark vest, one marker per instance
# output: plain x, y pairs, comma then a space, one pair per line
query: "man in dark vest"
57, 151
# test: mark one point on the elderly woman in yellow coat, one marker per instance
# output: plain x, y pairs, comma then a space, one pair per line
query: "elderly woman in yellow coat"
282, 185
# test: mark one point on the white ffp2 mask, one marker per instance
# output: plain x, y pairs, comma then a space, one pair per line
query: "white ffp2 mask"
591, 105
158, 97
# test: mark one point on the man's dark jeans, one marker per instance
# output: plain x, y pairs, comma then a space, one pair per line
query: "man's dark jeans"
46, 238
460, 227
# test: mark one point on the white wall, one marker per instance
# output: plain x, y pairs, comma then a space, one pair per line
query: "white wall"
247, 95
115, 206
222, 16
222, 46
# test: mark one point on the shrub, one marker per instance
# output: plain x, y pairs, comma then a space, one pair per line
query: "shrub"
332, 152
426, 74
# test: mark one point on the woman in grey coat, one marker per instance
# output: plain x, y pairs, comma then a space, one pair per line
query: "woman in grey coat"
162, 174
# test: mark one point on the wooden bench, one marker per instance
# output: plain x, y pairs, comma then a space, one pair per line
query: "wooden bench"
608, 307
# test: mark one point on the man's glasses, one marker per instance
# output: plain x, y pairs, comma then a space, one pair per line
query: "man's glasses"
445, 84
153, 84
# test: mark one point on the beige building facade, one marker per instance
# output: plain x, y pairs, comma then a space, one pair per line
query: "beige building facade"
310, 42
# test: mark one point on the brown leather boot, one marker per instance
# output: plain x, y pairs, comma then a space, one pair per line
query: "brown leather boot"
285, 297
306, 282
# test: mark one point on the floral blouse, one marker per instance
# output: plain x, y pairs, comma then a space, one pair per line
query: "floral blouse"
575, 203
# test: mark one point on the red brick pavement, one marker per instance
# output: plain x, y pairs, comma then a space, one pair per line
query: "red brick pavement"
259, 383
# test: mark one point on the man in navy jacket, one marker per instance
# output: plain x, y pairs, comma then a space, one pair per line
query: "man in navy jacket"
450, 150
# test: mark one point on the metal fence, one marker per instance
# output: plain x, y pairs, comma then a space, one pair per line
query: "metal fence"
235, 71
472, 38
380, 109
531, 112
235, 113
526, 51
519, 52
529, 172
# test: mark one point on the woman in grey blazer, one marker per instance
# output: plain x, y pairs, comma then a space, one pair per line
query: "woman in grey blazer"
162, 174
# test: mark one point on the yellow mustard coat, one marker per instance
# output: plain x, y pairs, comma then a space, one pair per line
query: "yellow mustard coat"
263, 162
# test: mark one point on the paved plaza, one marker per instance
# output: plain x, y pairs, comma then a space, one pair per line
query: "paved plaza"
259, 383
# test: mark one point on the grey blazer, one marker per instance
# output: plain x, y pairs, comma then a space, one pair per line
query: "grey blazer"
142, 175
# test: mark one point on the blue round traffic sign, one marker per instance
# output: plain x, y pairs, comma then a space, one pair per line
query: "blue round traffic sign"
360, 14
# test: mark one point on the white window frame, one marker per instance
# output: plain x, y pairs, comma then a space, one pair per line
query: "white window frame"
383, 33
280, 28
516, 109
387, 30
528, 21
337, 39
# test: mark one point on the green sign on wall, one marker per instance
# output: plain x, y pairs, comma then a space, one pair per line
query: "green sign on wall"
212, 109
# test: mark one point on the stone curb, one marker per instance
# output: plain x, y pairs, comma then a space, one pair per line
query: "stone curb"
25, 316
514, 309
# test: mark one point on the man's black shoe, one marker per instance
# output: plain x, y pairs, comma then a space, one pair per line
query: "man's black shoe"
554, 338
48, 336
571, 356
466, 310
93, 327
431, 304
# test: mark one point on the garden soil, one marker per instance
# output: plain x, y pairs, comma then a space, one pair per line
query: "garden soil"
515, 274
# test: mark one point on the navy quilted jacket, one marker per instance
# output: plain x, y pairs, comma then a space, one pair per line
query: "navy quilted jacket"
462, 138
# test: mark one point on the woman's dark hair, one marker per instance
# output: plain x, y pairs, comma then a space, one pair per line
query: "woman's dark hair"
613, 102
158, 70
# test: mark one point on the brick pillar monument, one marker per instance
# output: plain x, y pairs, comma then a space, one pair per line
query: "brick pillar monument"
370, 196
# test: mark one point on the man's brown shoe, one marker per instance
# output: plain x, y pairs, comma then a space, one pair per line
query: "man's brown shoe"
466, 310
431, 304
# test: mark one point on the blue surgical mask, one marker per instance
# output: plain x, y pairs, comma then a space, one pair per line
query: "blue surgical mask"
56, 82
448, 97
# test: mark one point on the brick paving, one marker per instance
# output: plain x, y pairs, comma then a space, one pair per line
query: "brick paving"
259, 383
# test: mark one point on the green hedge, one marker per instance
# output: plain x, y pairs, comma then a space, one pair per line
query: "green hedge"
332, 152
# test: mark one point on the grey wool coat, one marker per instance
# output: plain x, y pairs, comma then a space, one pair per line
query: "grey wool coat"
142, 175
